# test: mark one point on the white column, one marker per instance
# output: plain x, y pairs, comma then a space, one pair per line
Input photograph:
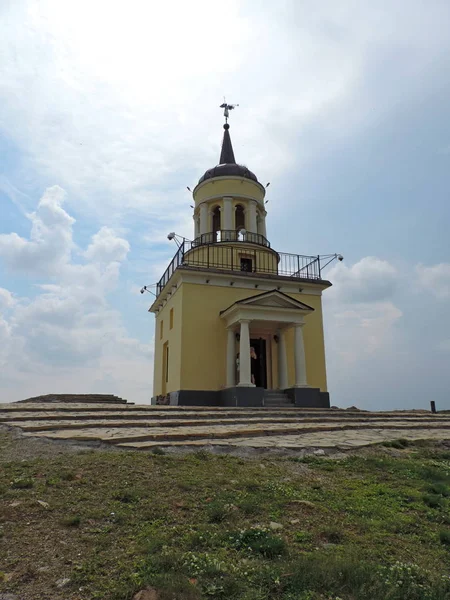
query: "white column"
231, 359
251, 221
245, 375
300, 361
203, 218
227, 222
282, 360
196, 226
263, 224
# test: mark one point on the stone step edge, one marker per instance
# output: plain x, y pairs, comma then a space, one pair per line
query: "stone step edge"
173, 410
125, 423
56, 415
230, 434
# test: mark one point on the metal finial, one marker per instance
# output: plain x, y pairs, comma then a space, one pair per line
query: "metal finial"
226, 109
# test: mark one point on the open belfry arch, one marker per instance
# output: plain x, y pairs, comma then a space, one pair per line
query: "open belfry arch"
237, 322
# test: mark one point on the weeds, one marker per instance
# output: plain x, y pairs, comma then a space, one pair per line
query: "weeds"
73, 521
22, 483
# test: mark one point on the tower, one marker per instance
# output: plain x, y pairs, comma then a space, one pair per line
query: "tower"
235, 319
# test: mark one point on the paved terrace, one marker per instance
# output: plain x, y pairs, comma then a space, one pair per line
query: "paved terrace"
145, 427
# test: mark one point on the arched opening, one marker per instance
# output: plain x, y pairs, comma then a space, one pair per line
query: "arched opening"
215, 222
239, 217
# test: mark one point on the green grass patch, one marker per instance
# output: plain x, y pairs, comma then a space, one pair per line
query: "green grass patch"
444, 538
22, 483
197, 526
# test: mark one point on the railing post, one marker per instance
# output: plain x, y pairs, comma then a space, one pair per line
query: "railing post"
318, 264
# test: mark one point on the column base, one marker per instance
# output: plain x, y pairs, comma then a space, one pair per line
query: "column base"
245, 385
302, 386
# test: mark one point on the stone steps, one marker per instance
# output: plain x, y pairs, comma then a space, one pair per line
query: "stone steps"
68, 398
45, 424
341, 440
276, 399
213, 431
145, 426
200, 411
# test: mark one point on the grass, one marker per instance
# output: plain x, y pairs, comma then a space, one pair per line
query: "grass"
198, 526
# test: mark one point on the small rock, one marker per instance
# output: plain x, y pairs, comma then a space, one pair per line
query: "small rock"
44, 504
62, 582
319, 452
147, 594
329, 546
43, 569
275, 526
16, 503
262, 466
295, 521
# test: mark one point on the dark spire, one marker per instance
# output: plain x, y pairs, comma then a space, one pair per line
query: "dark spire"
227, 154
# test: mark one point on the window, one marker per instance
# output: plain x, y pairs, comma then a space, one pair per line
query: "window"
216, 222
171, 319
167, 363
246, 264
161, 330
240, 217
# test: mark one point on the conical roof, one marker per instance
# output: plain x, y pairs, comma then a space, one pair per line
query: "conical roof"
227, 166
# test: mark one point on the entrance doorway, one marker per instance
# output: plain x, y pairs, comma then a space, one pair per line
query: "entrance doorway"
260, 363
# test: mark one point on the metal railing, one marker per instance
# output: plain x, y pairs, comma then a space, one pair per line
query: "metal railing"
229, 258
230, 235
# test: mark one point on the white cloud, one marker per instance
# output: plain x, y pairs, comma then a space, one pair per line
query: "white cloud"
6, 299
126, 123
69, 331
369, 280
106, 247
360, 314
361, 330
50, 242
435, 279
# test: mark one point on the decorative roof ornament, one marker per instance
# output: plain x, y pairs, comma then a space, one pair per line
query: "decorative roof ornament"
226, 109
227, 166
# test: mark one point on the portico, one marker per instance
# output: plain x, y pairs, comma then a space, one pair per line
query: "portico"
270, 312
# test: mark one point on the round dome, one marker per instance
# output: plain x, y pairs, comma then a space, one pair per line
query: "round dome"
228, 170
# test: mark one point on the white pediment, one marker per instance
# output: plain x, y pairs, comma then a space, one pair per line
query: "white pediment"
275, 299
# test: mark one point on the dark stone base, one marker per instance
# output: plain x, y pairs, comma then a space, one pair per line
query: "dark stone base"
243, 396
308, 397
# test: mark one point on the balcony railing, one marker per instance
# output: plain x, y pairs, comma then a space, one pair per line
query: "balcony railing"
230, 235
226, 258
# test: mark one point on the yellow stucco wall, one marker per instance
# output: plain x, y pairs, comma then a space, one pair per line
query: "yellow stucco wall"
224, 253
198, 340
313, 339
229, 187
173, 337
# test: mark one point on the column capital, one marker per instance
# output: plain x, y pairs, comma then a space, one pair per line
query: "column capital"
245, 320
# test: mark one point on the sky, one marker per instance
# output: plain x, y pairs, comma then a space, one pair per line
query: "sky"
108, 110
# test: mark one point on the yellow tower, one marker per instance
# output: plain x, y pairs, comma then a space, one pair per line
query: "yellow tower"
238, 323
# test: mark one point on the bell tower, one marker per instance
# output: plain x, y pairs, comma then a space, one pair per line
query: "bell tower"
237, 322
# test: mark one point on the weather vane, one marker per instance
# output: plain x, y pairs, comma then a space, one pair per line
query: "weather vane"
226, 109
